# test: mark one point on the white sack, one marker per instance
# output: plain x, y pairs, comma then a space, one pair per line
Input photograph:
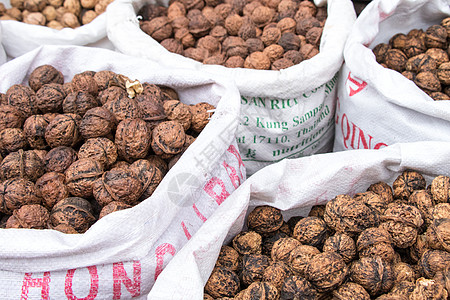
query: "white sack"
377, 106
294, 186
122, 253
19, 37
285, 114
2, 50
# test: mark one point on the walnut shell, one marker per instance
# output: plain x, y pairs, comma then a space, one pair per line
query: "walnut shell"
49, 97
351, 290
326, 271
247, 242
85, 83
24, 164
380, 51
375, 242
59, 159
282, 249
51, 187
428, 289
436, 37
100, 149
31, 216
257, 60
276, 273
34, 130
113, 207
201, 114
342, 244
372, 200
133, 139
396, 60
374, 274
295, 287
228, 258
433, 261
63, 131
222, 282
403, 272
79, 103
10, 117
234, 62
80, 176
440, 189
97, 122
73, 211
406, 183
261, 290
12, 139
438, 234
310, 231
428, 81
149, 174
43, 75
168, 138
111, 93
300, 258
265, 219
253, 266
235, 46
16, 192
23, 98
423, 200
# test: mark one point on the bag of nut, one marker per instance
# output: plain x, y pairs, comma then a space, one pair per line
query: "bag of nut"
2, 50
283, 55
33, 23
135, 177
351, 192
395, 81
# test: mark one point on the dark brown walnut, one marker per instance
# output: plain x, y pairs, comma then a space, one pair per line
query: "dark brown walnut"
253, 266
248, 242
440, 189
228, 258
396, 60
317, 211
416, 251
248, 30
86, 83
79, 103
24, 164
254, 44
215, 60
285, 229
286, 9
300, 258
428, 289
102, 78
403, 289
51, 187
178, 111
31, 216
269, 240
443, 277
97, 122
296, 287
124, 108
414, 46
59, 159
440, 211
49, 98
270, 35
439, 55
10, 117
420, 63
149, 174
23, 98
168, 138
276, 273
438, 234
133, 139
326, 271
344, 214
314, 35
409, 75
438, 96
63, 131
185, 37
34, 131
375, 242
418, 33
261, 290
120, 164
68, 87
235, 46
43, 75
16, 192
305, 24
80, 177
283, 248
380, 51
406, 183
265, 219
289, 41
433, 261
158, 162
293, 56
73, 211
201, 114
372, 200
175, 10
403, 272
422, 199
12, 139
113, 207
64, 228
118, 184
207, 297
151, 11
374, 274
234, 62
436, 37
111, 93
428, 81
287, 24
222, 283
402, 221
342, 244
350, 291
308, 51
446, 24
311, 231
173, 46
398, 41
100, 149
158, 28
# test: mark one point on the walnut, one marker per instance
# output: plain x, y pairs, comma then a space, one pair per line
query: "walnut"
80, 176
382, 189
13, 13
23, 98
35, 18
219, 32
443, 73
59, 159
96, 122
158, 28
436, 37
123, 108
89, 4
186, 38
372, 200
223, 10
433, 261
73, 211
439, 55
283, 248
168, 138
314, 35
428, 289
375, 242
63, 131
158, 162
414, 46
276, 273
111, 93
16, 192
31, 216
295, 287
420, 63
440, 211
326, 271
306, 9
247, 242
380, 51
70, 20
406, 183
228, 258
255, 44
150, 11
437, 96
289, 41
34, 131
149, 174
12, 139
199, 25
113, 207
396, 60
265, 219
261, 290
211, 44
10, 117
310, 231
88, 16
34, 5
85, 83
133, 139
215, 60
198, 54
274, 52
345, 214
438, 234
24, 164
262, 15
100, 149
17, 4
271, 36
253, 266
175, 10
222, 282
118, 184
308, 51
233, 23
51, 188
257, 60
440, 189
100, 7
305, 24
49, 97
403, 272
351, 290
173, 46
234, 62
201, 113
235, 46
73, 6
247, 30
374, 274
402, 288
428, 81
342, 244
398, 41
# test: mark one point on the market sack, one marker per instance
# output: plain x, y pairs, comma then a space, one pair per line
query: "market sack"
122, 254
285, 114
2, 50
293, 186
19, 38
377, 106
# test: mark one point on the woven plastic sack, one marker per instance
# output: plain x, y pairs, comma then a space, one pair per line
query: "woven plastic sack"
122, 254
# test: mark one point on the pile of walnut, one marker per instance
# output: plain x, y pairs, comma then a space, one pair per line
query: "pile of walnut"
421, 56
57, 14
76, 151
256, 34
385, 243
